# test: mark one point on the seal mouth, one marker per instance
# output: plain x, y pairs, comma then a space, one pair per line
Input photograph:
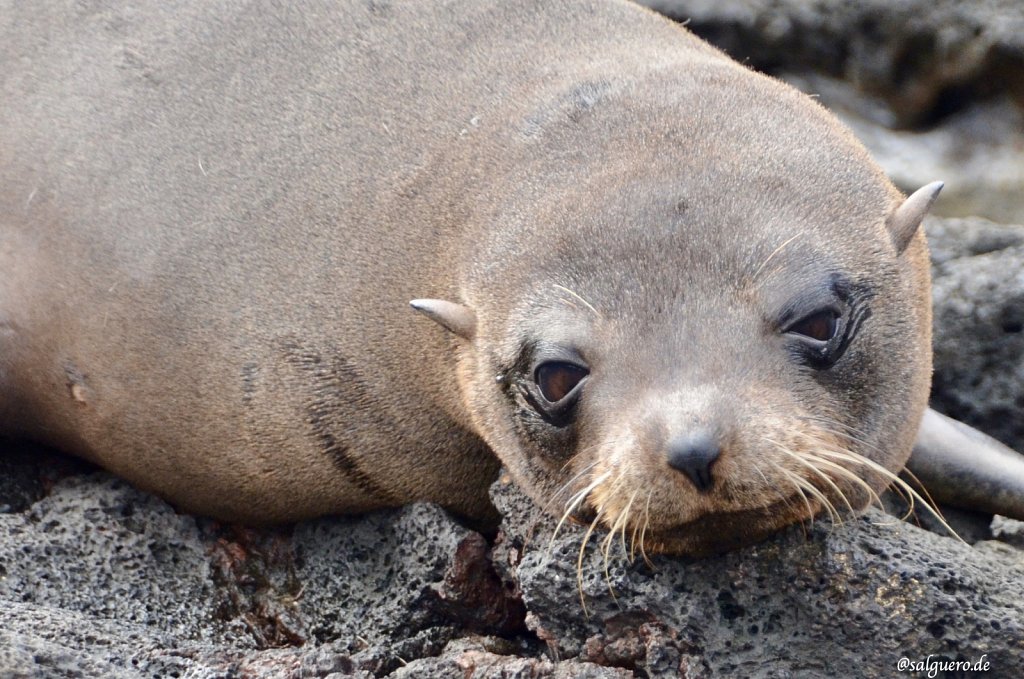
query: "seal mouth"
714, 532
725, 531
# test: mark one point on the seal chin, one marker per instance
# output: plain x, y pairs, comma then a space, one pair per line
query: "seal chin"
725, 531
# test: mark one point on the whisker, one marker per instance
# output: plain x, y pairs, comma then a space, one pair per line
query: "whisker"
785, 499
619, 524
848, 475
565, 486
625, 514
897, 485
601, 510
631, 554
852, 435
548, 507
857, 437
797, 482
927, 496
809, 460
575, 501
643, 531
805, 487
585, 302
813, 490
894, 483
579, 563
769, 258
894, 480
797, 485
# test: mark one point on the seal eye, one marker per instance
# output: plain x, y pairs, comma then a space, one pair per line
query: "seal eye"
820, 326
556, 379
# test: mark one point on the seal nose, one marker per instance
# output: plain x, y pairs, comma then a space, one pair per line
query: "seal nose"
693, 454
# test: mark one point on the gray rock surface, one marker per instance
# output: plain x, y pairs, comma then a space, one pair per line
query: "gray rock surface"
1009, 531
850, 599
100, 579
978, 296
98, 547
485, 659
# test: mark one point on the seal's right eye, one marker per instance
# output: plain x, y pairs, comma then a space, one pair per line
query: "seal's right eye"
820, 326
557, 380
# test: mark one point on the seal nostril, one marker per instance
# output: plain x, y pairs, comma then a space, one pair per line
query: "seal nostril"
694, 454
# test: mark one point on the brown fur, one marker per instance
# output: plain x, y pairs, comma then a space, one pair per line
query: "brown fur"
213, 221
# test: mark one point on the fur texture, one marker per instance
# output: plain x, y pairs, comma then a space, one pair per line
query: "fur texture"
213, 217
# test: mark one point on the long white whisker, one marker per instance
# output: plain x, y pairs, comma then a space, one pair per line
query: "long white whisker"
798, 485
575, 501
579, 563
813, 490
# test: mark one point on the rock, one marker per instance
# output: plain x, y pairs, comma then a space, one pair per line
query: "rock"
87, 591
978, 152
952, 239
393, 586
934, 89
476, 658
925, 58
100, 548
101, 579
28, 471
860, 595
1009, 531
20, 483
978, 297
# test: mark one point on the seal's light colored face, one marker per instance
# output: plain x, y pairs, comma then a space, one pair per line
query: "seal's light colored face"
729, 417
703, 412
697, 311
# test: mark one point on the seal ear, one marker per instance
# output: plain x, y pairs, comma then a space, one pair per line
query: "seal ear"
905, 220
457, 318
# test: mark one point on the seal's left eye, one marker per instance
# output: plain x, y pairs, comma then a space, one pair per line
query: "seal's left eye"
820, 326
557, 379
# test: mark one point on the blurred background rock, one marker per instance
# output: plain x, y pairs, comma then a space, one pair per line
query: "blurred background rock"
934, 88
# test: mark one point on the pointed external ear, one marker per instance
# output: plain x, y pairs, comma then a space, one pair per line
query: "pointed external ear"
454, 317
904, 222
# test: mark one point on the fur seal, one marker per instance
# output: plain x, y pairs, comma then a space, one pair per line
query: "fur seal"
675, 296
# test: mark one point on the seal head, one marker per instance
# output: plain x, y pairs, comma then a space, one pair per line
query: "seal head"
712, 332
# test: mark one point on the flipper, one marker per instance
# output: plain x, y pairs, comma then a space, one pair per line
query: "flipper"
962, 467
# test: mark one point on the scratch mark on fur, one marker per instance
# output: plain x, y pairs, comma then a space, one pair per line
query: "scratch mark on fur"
337, 391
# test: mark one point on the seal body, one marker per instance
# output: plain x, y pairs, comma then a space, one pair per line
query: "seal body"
213, 216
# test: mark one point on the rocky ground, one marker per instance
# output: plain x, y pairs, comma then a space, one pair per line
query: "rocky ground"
99, 579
